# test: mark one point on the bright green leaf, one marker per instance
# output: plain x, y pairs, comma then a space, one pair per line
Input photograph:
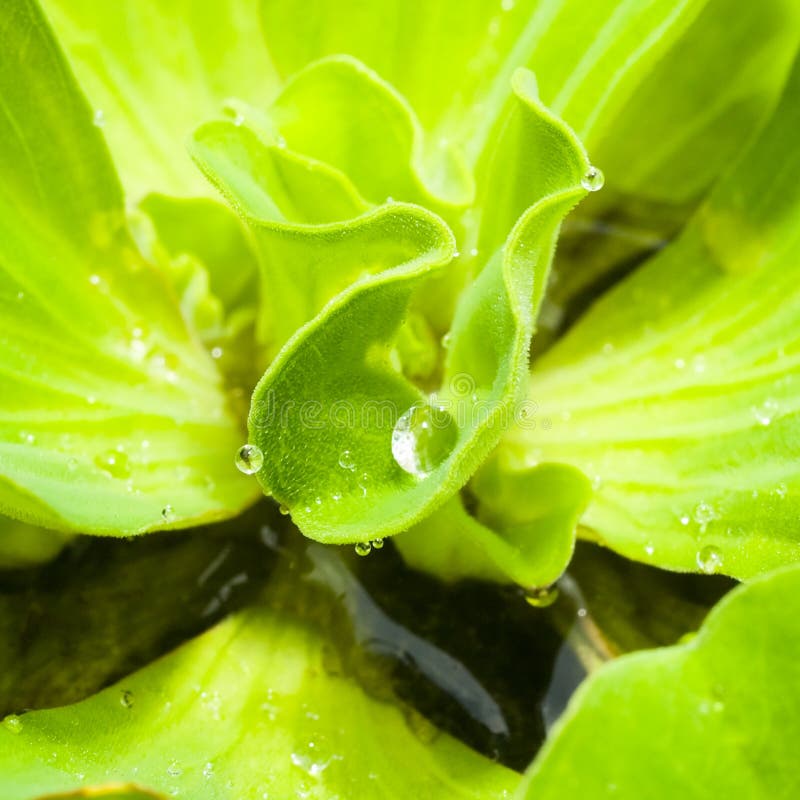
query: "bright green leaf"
23, 545
154, 69
678, 392
523, 531
118, 791
112, 417
715, 717
348, 447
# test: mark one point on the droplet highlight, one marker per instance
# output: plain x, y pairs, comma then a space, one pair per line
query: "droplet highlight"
363, 548
249, 459
593, 180
423, 438
709, 560
13, 723
541, 596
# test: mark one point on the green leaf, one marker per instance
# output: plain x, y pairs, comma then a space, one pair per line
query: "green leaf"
268, 717
324, 414
24, 545
112, 416
523, 529
155, 69
715, 717
677, 393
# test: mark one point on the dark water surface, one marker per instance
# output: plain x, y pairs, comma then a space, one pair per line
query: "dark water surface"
475, 659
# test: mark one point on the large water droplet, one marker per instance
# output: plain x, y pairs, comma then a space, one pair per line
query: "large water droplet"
542, 596
422, 438
709, 559
249, 459
363, 548
114, 463
593, 180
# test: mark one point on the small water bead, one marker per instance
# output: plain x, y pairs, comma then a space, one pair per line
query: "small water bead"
283, 510
174, 770
114, 462
363, 548
376, 544
709, 560
346, 460
704, 513
99, 118
216, 352
447, 340
249, 459
126, 698
422, 438
765, 413
593, 180
542, 596
168, 513
13, 723
238, 120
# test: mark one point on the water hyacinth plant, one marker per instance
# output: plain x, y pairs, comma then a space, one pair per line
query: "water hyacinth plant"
332, 333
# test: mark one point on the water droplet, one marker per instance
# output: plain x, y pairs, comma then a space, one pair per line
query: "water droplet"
174, 769
781, 490
283, 510
216, 352
704, 513
99, 118
649, 549
238, 120
249, 459
126, 698
363, 548
168, 513
13, 723
447, 340
114, 463
346, 460
208, 770
422, 438
765, 413
542, 596
593, 180
684, 520
94, 280
473, 252
680, 363
709, 560
376, 544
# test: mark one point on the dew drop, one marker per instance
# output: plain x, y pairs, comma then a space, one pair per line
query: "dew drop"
473, 252
346, 460
447, 340
709, 559
376, 544
284, 510
99, 118
13, 723
126, 698
542, 596
168, 513
114, 463
174, 770
363, 548
765, 413
593, 180
781, 490
704, 513
249, 459
216, 352
422, 438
